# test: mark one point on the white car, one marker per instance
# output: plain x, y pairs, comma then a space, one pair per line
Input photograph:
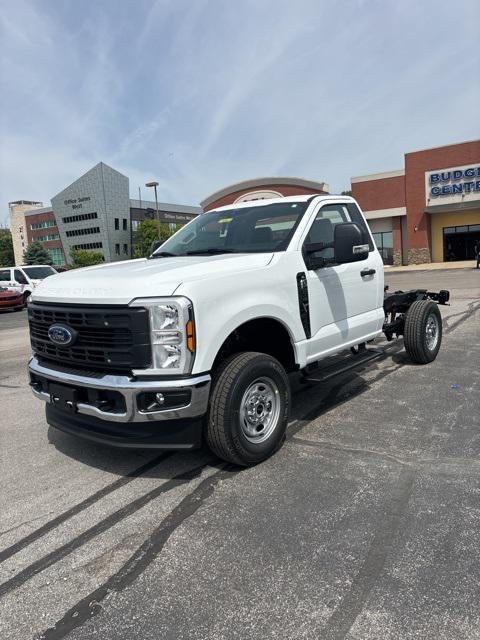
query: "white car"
198, 341
25, 279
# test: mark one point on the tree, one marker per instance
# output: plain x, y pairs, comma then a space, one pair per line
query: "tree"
346, 193
84, 258
36, 254
146, 233
7, 258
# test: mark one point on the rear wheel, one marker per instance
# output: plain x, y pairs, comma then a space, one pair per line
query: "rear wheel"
249, 408
423, 331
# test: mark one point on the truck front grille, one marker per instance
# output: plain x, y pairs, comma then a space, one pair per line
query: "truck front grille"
107, 338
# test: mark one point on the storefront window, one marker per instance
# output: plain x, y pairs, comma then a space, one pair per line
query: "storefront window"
384, 242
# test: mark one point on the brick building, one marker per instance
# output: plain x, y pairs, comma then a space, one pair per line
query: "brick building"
41, 226
260, 189
430, 210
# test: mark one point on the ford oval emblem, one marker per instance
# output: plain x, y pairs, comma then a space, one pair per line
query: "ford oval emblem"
61, 335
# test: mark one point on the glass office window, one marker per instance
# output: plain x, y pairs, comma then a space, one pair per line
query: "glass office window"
57, 256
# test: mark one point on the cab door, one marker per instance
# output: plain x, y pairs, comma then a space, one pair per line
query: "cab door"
6, 279
20, 280
345, 300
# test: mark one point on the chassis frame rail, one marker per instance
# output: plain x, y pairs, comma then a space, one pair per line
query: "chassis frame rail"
397, 304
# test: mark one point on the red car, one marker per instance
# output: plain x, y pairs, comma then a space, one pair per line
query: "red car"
11, 300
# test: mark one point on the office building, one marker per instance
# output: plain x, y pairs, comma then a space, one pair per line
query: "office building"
95, 213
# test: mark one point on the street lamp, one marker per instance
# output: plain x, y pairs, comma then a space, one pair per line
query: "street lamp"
155, 185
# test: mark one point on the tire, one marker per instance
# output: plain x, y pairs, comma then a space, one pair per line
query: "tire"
26, 296
19, 308
423, 331
258, 382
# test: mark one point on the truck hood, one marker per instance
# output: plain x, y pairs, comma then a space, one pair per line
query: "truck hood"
121, 282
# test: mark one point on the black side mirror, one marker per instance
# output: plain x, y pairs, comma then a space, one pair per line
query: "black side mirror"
313, 261
349, 245
155, 245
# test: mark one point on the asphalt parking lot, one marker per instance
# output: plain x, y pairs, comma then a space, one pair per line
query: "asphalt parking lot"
366, 525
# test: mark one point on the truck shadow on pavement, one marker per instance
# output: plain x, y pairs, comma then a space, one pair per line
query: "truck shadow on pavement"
309, 401
118, 461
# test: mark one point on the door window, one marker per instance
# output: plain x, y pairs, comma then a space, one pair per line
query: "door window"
359, 220
5, 275
19, 277
323, 227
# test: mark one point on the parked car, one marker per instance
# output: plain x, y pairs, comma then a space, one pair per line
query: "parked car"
25, 279
198, 341
11, 300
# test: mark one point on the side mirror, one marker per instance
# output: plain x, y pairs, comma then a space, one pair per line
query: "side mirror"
155, 245
349, 244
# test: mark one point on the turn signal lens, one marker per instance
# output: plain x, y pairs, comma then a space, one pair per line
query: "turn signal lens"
190, 336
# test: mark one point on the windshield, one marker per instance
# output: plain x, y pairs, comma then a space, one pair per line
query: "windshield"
254, 229
39, 273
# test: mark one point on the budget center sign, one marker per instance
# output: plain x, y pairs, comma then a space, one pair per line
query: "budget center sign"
452, 185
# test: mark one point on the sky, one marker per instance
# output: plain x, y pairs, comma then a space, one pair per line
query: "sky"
198, 94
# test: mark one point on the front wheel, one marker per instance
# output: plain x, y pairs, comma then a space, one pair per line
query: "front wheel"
423, 331
249, 408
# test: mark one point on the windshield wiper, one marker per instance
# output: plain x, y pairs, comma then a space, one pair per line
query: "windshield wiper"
164, 254
209, 252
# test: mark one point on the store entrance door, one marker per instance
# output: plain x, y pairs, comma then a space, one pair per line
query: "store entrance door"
459, 242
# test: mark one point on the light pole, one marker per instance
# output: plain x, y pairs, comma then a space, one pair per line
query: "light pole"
155, 185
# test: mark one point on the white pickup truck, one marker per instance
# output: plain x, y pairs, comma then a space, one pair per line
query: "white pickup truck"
25, 279
197, 342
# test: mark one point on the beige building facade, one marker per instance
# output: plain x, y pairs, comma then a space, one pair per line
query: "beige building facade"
18, 227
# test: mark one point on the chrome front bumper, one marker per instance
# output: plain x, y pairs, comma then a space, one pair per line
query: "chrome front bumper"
199, 387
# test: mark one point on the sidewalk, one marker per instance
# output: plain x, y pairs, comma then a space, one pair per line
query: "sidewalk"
433, 266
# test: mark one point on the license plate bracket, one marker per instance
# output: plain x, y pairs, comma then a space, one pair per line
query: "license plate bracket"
63, 397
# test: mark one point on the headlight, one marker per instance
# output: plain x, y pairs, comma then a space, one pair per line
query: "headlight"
172, 334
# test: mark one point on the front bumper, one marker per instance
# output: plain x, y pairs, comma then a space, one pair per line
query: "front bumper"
129, 389
165, 434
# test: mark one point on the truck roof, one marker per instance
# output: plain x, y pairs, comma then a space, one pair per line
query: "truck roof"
298, 198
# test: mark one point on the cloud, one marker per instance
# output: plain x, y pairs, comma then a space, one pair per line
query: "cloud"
199, 95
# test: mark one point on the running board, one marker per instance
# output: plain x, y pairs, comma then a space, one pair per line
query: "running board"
331, 370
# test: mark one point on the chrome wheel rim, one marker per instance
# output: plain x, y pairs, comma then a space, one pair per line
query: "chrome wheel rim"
260, 410
432, 332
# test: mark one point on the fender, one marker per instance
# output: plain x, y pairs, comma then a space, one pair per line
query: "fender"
217, 335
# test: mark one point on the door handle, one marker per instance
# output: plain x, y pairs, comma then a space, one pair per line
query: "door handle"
367, 272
